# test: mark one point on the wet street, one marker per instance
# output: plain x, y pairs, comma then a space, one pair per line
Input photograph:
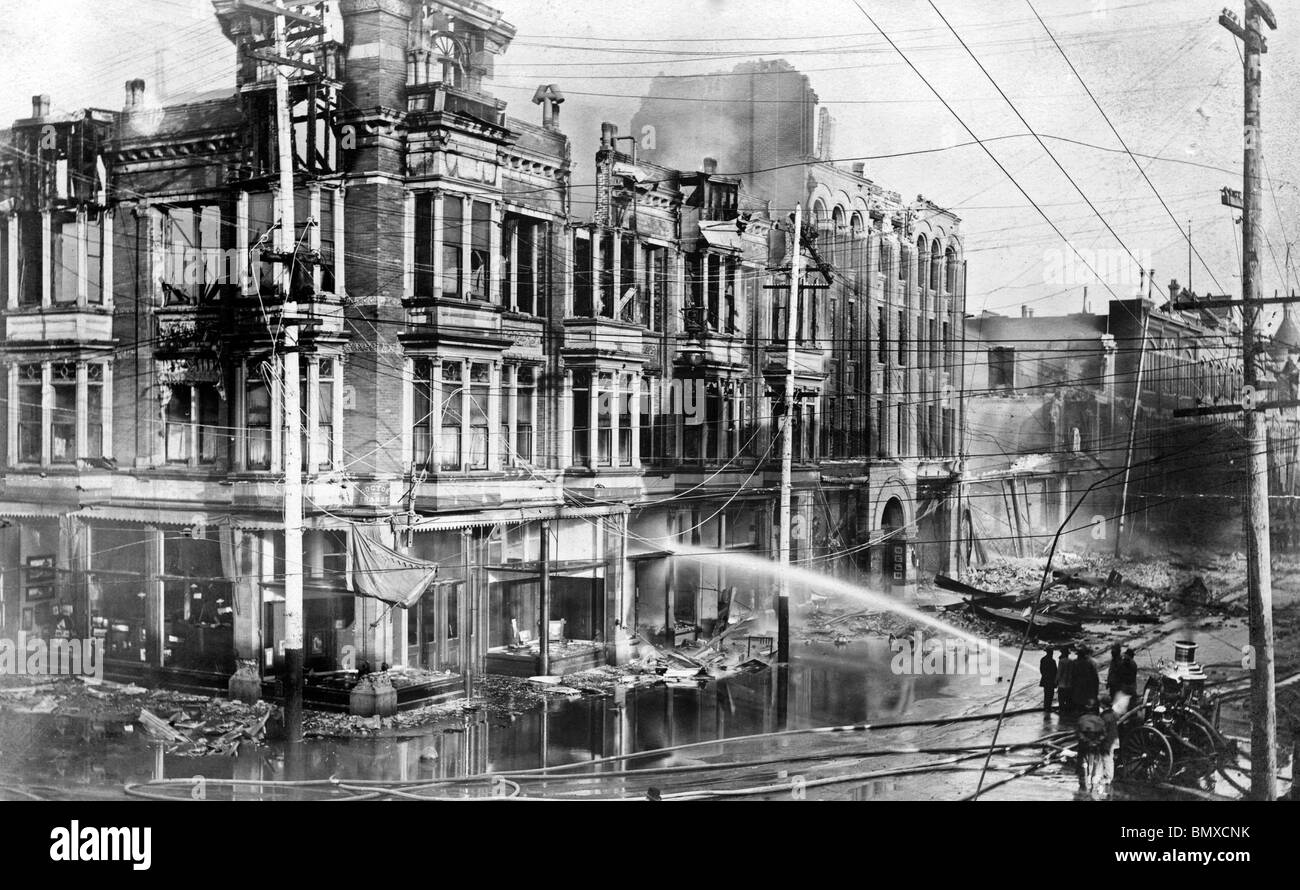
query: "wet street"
586, 744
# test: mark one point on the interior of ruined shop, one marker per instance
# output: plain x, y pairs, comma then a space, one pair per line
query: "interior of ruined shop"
161, 598
693, 595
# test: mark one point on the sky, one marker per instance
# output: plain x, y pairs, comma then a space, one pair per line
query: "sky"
1165, 73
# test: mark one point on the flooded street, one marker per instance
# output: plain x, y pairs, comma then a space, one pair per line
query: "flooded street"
65, 756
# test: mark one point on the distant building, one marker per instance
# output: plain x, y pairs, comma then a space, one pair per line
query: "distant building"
1051, 402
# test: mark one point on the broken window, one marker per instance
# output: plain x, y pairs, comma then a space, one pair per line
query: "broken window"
192, 264
582, 277
1002, 368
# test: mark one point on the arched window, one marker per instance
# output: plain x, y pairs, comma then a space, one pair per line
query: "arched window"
950, 271
819, 216
858, 246
922, 261
838, 236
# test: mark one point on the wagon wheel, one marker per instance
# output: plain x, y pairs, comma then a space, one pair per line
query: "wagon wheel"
1145, 755
1204, 734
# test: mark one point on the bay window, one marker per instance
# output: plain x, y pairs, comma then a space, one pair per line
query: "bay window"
58, 412
453, 247
451, 415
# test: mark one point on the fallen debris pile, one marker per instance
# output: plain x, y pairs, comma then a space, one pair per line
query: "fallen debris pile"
215, 728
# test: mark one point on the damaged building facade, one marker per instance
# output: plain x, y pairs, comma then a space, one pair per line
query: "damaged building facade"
1066, 402
491, 380
879, 331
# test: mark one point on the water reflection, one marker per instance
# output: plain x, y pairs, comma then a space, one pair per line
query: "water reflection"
827, 685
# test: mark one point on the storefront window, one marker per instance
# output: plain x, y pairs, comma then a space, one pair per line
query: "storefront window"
198, 613
117, 593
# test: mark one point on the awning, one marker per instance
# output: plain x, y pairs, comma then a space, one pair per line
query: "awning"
383, 573
22, 510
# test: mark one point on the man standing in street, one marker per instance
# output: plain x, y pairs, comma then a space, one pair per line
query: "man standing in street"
1085, 682
1114, 670
1064, 683
1047, 679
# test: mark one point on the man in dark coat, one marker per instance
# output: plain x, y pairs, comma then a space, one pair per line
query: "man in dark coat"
1064, 687
1084, 681
1047, 670
1128, 677
1114, 668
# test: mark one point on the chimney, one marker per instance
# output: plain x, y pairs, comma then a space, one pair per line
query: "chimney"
1174, 290
134, 94
859, 168
710, 166
1026, 312
548, 96
608, 132
41, 105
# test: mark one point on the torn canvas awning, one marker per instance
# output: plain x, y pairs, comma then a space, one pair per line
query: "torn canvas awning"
385, 574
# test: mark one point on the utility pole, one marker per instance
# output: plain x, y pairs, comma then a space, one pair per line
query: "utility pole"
1132, 430
544, 595
787, 447
1259, 581
289, 383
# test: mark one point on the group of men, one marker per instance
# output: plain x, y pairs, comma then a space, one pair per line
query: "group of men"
1075, 682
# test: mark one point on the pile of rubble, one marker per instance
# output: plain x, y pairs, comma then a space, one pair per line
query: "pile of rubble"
213, 727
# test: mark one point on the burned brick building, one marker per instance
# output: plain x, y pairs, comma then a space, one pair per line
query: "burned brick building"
1064, 403
879, 362
491, 381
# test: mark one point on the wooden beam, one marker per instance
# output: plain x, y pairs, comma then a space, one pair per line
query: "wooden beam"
285, 60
